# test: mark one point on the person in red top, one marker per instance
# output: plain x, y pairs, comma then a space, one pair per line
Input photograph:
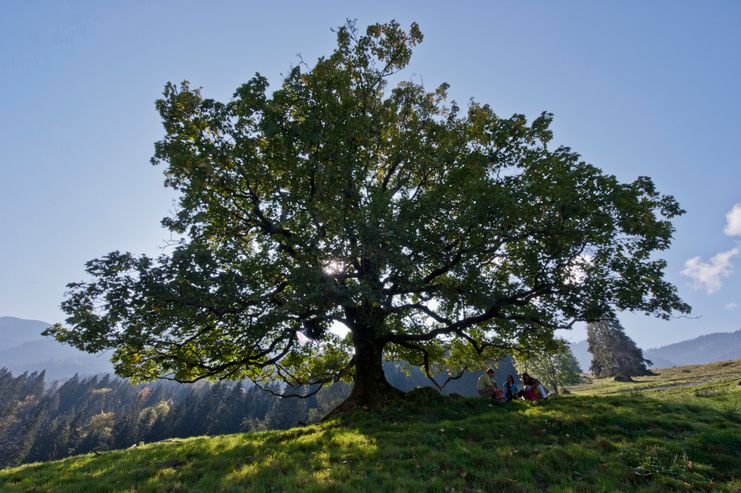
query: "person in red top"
533, 388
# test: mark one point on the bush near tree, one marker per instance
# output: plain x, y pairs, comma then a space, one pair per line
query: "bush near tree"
555, 369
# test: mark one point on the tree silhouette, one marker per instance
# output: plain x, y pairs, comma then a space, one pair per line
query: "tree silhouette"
613, 352
435, 234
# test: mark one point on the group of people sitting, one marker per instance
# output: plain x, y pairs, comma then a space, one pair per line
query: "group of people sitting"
532, 390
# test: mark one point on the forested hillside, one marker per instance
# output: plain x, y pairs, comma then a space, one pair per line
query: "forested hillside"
40, 423
707, 348
103, 413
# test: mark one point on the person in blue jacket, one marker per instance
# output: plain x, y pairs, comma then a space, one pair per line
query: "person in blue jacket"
510, 388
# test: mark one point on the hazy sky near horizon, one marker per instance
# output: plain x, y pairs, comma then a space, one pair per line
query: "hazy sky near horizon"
638, 88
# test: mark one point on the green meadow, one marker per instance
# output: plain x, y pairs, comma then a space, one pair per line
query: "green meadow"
678, 430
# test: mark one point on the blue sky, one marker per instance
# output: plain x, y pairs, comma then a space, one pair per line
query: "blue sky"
638, 88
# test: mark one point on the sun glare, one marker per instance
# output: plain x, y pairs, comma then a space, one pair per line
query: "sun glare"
334, 267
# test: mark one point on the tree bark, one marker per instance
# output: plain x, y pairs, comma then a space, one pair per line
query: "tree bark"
370, 389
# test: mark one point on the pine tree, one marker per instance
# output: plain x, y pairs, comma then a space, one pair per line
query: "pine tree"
614, 354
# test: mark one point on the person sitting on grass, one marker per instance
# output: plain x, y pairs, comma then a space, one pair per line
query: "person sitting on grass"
510, 389
487, 387
534, 390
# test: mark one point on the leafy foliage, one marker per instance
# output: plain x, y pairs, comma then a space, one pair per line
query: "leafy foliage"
436, 234
555, 369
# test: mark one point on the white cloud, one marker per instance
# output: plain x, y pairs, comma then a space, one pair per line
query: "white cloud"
733, 221
709, 275
730, 306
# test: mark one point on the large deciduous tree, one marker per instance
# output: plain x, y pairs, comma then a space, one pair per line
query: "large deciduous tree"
434, 233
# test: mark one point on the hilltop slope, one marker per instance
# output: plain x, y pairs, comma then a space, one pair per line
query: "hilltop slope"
676, 431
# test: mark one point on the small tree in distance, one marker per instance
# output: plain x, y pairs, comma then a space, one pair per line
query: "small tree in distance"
555, 368
614, 354
435, 234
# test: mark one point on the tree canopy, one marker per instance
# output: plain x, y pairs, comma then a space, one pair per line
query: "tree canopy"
435, 233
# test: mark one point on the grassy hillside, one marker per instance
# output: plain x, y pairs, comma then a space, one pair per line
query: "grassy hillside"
679, 430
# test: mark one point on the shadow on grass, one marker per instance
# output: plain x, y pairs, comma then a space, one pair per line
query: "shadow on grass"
433, 443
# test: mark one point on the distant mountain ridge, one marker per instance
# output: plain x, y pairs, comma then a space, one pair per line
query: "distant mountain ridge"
16, 331
24, 349
718, 346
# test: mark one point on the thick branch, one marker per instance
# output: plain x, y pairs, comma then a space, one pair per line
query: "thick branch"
426, 366
494, 311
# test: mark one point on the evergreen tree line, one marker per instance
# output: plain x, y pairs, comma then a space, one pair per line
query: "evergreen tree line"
41, 421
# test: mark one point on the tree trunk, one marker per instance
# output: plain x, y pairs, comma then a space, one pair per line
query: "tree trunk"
370, 388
